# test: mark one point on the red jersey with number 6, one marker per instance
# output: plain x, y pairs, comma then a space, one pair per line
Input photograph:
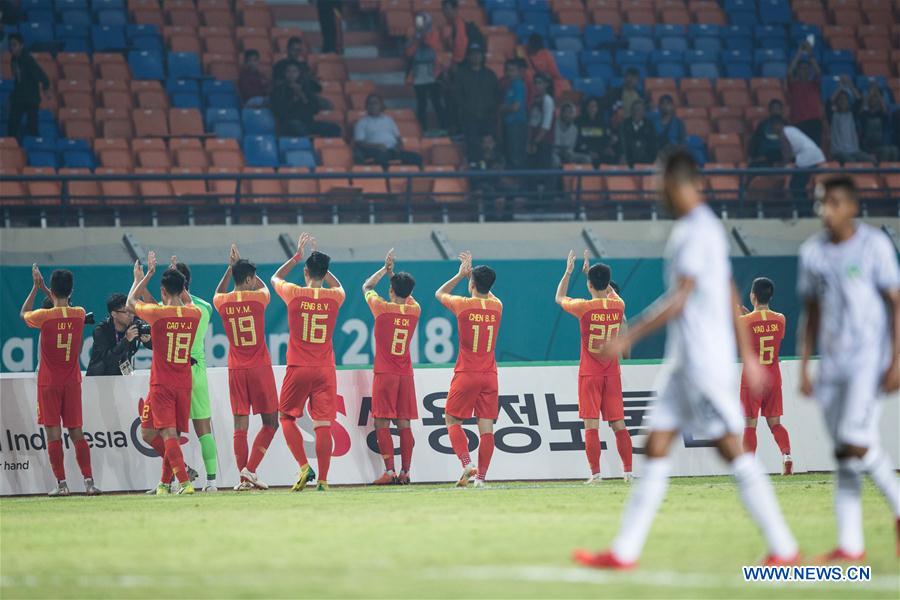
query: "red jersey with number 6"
312, 317
172, 329
244, 316
394, 327
766, 328
600, 320
62, 329
478, 324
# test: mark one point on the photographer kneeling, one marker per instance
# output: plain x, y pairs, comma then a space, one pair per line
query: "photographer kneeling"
117, 339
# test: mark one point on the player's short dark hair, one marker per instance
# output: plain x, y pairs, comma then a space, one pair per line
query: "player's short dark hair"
186, 272
841, 182
763, 289
317, 264
61, 283
242, 270
173, 281
599, 275
679, 164
402, 283
115, 302
483, 277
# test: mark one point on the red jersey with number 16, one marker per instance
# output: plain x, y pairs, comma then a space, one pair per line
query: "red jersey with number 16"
172, 329
244, 316
600, 320
394, 327
62, 329
312, 317
478, 324
766, 329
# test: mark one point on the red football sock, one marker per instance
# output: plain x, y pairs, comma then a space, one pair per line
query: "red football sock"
160, 446
485, 452
460, 444
592, 449
176, 459
781, 438
750, 439
324, 444
55, 450
623, 444
294, 439
407, 443
260, 445
83, 456
386, 447
240, 448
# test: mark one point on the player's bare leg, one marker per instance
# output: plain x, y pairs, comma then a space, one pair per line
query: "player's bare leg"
407, 442
203, 431
386, 447
324, 446
749, 440
294, 440
784, 443
592, 449
55, 451
623, 445
260, 446
83, 457
485, 449
175, 458
460, 443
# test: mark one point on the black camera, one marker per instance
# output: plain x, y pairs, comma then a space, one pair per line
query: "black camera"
89, 318
144, 329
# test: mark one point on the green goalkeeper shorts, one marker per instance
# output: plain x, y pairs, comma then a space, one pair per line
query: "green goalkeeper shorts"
200, 408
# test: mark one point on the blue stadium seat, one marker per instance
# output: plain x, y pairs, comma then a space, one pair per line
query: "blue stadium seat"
228, 129
299, 158
630, 57
492, 4
524, 30
34, 144
743, 18
257, 121
600, 71
830, 57
708, 44
26, 4
77, 35
216, 86
174, 86
667, 30
641, 44
739, 70
294, 143
763, 55
670, 70
590, 87
504, 17
738, 37
667, 56
224, 99
775, 12
42, 158
673, 43
697, 148
699, 56
106, 38
78, 159
558, 31
64, 4
47, 127
260, 151
596, 36
66, 144
540, 18
186, 100
111, 16
634, 30
776, 69
801, 30
704, 70
841, 68
568, 64
145, 64
37, 33
568, 44
100, 4
696, 30
184, 65
79, 17
44, 15
221, 115
592, 57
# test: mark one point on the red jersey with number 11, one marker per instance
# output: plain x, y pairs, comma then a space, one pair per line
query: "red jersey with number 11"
478, 324
62, 330
244, 317
394, 327
312, 317
766, 328
172, 329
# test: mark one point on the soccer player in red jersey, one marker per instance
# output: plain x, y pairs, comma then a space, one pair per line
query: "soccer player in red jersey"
599, 379
166, 411
59, 376
473, 389
251, 382
765, 328
393, 389
311, 376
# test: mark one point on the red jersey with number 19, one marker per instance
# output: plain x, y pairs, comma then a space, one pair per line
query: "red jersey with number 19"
599, 320
766, 328
62, 329
478, 324
394, 326
173, 329
312, 316
244, 316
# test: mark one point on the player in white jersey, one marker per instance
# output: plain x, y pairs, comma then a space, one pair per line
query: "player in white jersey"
849, 282
699, 394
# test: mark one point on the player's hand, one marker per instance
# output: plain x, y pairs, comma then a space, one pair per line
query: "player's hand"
138, 270
806, 386
389, 262
570, 262
151, 263
173, 260
301, 245
586, 266
131, 333
233, 256
36, 276
465, 264
891, 380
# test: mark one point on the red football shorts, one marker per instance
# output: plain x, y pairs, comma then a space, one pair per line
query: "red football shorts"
473, 393
60, 404
394, 397
316, 385
167, 408
768, 402
600, 395
252, 388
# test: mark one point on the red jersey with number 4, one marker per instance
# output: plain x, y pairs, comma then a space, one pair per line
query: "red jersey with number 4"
312, 316
478, 323
62, 330
244, 317
394, 327
600, 320
173, 329
766, 328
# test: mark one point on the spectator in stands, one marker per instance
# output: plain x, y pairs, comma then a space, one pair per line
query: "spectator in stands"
800, 150
515, 116
541, 60
875, 127
765, 148
540, 124
117, 340
669, 128
295, 102
253, 85
28, 81
619, 101
296, 53
804, 93
637, 137
594, 137
844, 136
330, 25
493, 191
454, 36
376, 137
423, 50
565, 139
476, 93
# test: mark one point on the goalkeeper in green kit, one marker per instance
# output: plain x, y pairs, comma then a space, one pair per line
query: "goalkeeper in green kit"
201, 413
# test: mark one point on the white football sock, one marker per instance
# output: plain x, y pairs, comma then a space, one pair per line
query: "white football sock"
848, 505
645, 499
759, 500
878, 467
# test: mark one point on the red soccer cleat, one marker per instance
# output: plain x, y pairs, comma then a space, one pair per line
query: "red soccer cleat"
776, 561
838, 555
385, 479
602, 560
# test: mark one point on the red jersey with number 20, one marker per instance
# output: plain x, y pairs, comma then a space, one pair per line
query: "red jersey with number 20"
394, 327
312, 316
766, 329
478, 324
244, 316
172, 329
600, 320
62, 329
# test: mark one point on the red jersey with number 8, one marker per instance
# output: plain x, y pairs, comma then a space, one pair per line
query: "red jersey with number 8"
62, 329
600, 320
766, 329
394, 327
312, 316
478, 324
244, 316
173, 329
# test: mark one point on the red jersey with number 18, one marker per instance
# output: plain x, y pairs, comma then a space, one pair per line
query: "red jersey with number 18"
244, 317
312, 316
394, 326
766, 328
172, 329
478, 324
600, 320
62, 329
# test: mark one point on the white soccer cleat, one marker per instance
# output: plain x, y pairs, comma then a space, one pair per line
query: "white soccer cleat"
253, 479
90, 489
628, 477
594, 479
468, 473
479, 483
243, 486
210, 488
60, 490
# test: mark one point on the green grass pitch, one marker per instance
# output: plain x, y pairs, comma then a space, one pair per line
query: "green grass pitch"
422, 541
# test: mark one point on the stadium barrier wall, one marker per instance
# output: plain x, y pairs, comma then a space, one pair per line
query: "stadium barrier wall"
538, 434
